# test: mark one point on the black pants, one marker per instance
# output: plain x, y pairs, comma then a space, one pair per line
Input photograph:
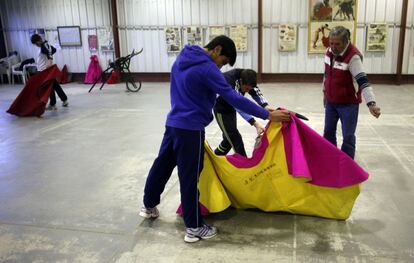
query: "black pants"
56, 87
184, 149
231, 136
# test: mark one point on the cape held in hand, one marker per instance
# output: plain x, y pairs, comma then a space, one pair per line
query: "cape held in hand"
293, 170
33, 98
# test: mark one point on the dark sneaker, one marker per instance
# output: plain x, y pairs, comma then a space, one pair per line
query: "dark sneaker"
195, 234
149, 212
65, 103
51, 107
219, 152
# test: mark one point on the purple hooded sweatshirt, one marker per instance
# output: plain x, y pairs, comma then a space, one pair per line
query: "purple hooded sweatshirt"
195, 82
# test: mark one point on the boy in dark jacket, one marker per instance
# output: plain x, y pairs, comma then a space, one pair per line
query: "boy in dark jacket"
243, 81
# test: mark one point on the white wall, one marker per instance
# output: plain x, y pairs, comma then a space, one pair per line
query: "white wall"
21, 15
142, 24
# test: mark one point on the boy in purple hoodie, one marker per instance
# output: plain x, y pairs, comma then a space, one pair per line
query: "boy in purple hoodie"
195, 82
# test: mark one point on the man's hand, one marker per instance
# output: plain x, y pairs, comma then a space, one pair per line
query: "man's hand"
279, 116
270, 108
259, 127
375, 110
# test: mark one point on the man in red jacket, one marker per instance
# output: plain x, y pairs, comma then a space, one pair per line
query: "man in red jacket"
343, 64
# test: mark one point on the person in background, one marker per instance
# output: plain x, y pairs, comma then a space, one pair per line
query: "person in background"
243, 81
44, 61
343, 65
196, 80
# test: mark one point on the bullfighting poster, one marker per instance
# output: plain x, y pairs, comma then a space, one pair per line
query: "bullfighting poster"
325, 15
287, 37
194, 35
106, 39
173, 39
377, 37
239, 35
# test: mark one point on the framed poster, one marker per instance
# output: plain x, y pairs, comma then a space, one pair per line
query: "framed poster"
215, 31
69, 36
239, 35
105, 39
173, 39
194, 35
377, 37
93, 43
287, 37
325, 15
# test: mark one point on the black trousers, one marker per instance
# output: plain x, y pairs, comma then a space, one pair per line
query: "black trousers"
58, 89
184, 149
231, 136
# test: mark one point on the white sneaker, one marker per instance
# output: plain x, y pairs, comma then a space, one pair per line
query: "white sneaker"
195, 234
149, 212
65, 103
51, 107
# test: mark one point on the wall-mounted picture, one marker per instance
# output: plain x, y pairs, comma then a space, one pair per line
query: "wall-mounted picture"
215, 31
287, 37
344, 10
173, 39
239, 35
194, 35
106, 39
93, 43
69, 36
325, 15
377, 37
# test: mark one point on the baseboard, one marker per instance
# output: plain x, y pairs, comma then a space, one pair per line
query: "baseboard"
390, 79
144, 77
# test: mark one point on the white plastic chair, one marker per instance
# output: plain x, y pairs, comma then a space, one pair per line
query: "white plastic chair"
23, 73
14, 62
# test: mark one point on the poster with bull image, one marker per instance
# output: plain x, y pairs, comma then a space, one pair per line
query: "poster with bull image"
325, 15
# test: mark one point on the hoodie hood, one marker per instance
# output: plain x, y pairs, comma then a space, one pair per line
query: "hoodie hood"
191, 56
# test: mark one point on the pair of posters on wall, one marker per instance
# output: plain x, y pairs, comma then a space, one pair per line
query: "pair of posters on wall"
194, 36
326, 14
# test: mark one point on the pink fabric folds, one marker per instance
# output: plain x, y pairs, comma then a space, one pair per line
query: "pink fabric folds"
310, 155
204, 210
94, 71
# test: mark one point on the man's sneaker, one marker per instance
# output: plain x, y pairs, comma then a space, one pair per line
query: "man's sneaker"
51, 107
204, 232
65, 103
149, 212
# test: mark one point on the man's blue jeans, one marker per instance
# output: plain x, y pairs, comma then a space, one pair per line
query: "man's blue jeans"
348, 114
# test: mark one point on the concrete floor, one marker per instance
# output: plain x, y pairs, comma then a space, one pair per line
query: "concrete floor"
71, 184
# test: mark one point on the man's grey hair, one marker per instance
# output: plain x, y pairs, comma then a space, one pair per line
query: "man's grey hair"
342, 32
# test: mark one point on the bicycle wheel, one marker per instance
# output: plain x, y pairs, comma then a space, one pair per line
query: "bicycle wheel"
133, 86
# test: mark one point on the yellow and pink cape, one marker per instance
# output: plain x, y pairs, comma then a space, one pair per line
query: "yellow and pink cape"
293, 170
